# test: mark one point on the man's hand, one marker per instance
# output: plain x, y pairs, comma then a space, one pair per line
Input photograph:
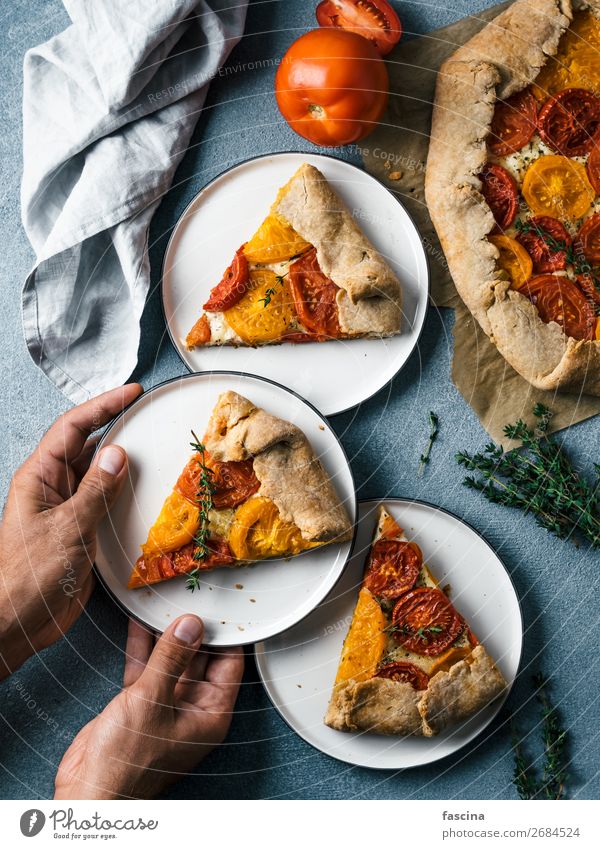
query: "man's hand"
175, 708
48, 532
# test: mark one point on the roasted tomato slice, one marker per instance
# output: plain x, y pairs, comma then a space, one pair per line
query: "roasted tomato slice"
500, 193
587, 239
199, 334
232, 287
513, 124
315, 297
233, 481
593, 166
557, 186
152, 568
373, 19
590, 286
559, 299
543, 238
513, 260
407, 672
393, 568
569, 121
425, 621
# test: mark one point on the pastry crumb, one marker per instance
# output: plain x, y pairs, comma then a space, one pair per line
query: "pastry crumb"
447, 589
395, 175
253, 600
299, 686
321, 427
241, 628
387, 165
239, 586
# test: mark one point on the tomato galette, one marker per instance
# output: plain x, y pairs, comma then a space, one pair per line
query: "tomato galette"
513, 183
410, 663
309, 274
253, 489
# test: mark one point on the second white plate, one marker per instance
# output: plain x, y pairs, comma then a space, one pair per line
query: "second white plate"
299, 666
333, 376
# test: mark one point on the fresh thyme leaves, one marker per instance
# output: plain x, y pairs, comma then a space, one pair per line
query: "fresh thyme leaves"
551, 784
421, 633
538, 478
574, 254
271, 291
193, 580
433, 433
204, 501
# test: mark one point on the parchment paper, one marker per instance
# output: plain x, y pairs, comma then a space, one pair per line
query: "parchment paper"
396, 153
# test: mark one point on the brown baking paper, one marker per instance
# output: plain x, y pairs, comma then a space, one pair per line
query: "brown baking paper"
396, 153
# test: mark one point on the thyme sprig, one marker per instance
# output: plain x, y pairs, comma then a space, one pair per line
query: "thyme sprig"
204, 500
538, 478
271, 291
573, 253
433, 434
552, 782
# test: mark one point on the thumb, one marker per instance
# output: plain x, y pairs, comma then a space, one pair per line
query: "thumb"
99, 487
170, 657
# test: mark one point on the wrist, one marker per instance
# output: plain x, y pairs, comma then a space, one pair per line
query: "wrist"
15, 648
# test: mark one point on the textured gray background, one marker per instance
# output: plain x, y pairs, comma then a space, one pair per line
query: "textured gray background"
49, 699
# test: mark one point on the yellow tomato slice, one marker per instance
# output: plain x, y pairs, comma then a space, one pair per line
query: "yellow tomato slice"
366, 640
258, 531
175, 526
443, 662
274, 241
557, 186
513, 259
576, 62
266, 311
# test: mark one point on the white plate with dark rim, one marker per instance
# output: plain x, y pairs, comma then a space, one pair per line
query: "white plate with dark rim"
238, 606
334, 376
298, 667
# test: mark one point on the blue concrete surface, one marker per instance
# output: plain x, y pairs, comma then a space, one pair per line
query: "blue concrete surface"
49, 699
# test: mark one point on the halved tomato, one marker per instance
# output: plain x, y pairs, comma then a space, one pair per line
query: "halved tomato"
513, 124
557, 186
425, 621
593, 166
373, 19
588, 239
404, 672
559, 299
513, 259
394, 566
500, 193
569, 121
232, 287
315, 297
546, 241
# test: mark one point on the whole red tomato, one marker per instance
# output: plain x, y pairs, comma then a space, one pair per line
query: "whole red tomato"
332, 86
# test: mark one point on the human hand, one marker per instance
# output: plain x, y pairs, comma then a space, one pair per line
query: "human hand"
175, 707
48, 531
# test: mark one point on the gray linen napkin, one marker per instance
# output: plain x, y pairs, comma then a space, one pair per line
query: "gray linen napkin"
109, 106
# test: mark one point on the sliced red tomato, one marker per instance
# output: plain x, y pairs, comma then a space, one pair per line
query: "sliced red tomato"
541, 241
425, 621
373, 19
232, 287
569, 121
314, 297
393, 568
407, 672
500, 193
593, 166
587, 239
590, 286
233, 482
513, 124
161, 567
559, 299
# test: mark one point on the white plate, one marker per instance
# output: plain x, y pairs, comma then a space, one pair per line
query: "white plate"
298, 667
155, 432
333, 376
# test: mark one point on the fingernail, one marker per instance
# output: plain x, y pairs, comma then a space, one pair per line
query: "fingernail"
188, 630
111, 460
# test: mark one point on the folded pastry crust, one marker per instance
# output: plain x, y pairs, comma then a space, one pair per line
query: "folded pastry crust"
383, 706
499, 61
289, 472
370, 300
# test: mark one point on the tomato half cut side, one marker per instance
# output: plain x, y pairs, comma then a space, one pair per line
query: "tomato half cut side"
500, 193
546, 241
587, 239
394, 566
513, 124
425, 621
569, 121
373, 19
232, 287
559, 299
404, 672
315, 297
593, 165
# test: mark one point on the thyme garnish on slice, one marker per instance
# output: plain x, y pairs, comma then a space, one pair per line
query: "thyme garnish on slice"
433, 433
204, 500
271, 291
574, 254
551, 784
538, 478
